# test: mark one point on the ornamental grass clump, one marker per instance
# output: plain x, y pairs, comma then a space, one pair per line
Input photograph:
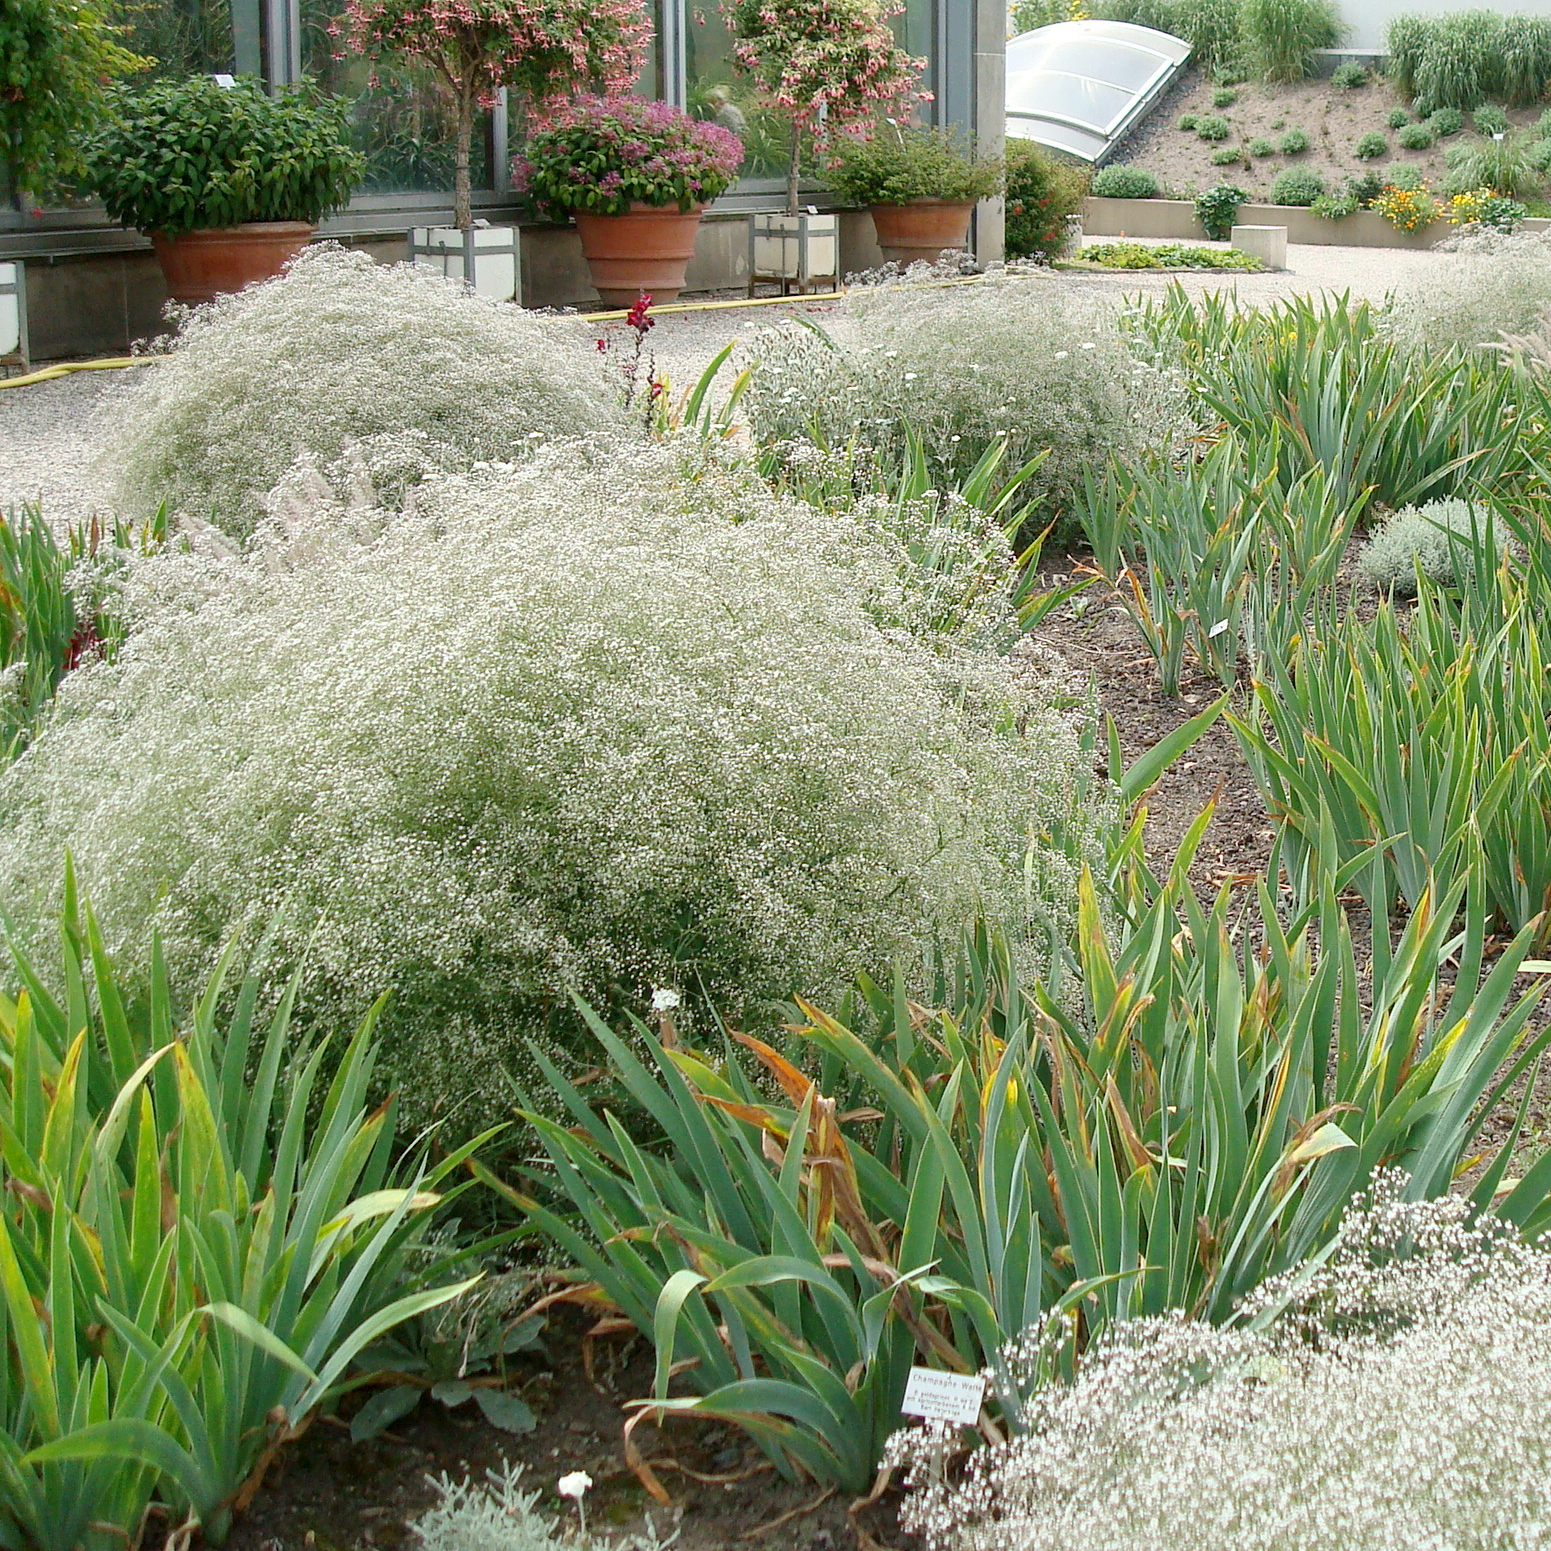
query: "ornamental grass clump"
577, 725
1494, 284
336, 351
1400, 1401
961, 370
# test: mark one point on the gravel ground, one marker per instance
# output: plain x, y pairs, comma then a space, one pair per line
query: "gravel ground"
50, 432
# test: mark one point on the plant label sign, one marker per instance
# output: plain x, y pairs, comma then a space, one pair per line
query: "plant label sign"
944, 1397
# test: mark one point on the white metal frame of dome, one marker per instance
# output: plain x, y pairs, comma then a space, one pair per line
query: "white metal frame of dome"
1080, 87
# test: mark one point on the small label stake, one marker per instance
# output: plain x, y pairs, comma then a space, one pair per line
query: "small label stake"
944, 1397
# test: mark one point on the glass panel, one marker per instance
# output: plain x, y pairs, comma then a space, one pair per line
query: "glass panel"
916, 29
1072, 97
186, 37
715, 91
404, 124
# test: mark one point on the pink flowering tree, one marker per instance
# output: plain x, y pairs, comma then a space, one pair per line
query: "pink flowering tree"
549, 50
828, 63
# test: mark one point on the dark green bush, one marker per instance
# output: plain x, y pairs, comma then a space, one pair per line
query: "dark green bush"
1446, 121
898, 163
1188, 122
1350, 75
1403, 175
1416, 137
1283, 35
1042, 193
1489, 119
1296, 186
1367, 186
1399, 118
1227, 155
1119, 181
1260, 146
1212, 126
1224, 97
1335, 207
1218, 208
180, 155
1293, 142
1371, 145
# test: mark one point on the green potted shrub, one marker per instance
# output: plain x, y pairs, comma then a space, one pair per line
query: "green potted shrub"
920, 183
227, 181
635, 176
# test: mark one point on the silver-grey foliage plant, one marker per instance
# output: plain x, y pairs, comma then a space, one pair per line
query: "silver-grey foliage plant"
1397, 1398
963, 368
340, 350
582, 724
1441, 538
1492, 284
498, 1515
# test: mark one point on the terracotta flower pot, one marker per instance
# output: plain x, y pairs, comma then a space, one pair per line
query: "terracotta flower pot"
921, 229
648, 248
202, 264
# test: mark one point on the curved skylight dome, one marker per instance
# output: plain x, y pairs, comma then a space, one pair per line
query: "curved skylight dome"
1080, 86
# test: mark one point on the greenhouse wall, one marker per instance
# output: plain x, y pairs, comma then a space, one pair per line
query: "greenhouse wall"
95, 287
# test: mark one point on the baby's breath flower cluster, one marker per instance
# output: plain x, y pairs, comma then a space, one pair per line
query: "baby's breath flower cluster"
1494, 283
1396, 1399
963, 368
579, 723
336, 350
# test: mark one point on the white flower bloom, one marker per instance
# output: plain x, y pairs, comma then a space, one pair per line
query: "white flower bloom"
576, 1484
664, 1001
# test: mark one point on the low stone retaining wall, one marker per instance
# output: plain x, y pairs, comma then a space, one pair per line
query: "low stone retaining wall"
1176, 218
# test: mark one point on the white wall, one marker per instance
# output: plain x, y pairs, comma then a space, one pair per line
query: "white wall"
1368, 19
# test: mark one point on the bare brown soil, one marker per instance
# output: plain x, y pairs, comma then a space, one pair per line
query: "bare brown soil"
1333, 117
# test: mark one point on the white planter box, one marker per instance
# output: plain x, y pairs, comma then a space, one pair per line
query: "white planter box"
797, 250
13, 312
497, 258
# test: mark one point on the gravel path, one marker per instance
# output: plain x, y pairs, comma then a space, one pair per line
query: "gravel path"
50, 432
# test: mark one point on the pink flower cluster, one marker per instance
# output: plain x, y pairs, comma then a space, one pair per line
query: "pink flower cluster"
830, 61
545, 48
606, 152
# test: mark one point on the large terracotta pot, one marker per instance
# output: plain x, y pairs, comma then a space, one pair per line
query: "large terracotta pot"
922, 229
202, 264
648, 248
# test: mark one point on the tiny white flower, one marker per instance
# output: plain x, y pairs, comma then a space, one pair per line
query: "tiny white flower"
1087, 345
576, 1484
1061, 355
664, 1001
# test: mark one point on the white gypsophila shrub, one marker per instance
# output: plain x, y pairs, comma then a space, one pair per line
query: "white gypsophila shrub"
1398, 1399
963, 368
1492, 284
1439, 537
340, 350
580, 724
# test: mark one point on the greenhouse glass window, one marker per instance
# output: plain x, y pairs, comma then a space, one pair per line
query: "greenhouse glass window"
1079, 87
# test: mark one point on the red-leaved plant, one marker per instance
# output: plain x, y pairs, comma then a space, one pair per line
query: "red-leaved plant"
828, 63
546, 49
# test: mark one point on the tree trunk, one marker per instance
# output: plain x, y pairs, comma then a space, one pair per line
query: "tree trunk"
462, 201
793, 170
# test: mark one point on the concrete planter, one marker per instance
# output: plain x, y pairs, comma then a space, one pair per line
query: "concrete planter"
1176, 218
489, 258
